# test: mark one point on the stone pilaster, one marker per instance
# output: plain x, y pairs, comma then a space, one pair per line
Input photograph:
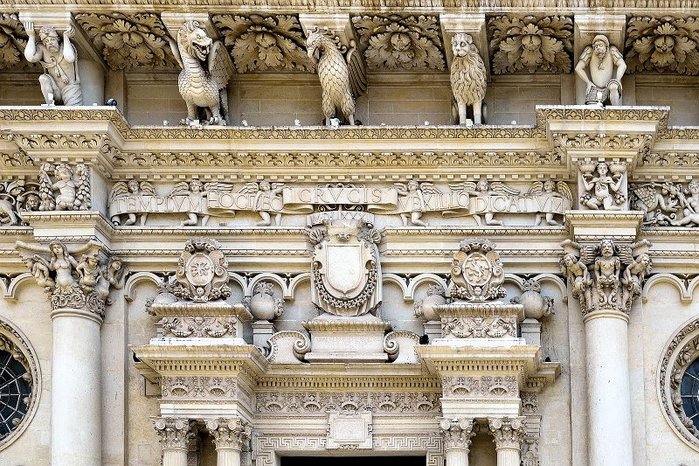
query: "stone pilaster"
78, 282
508, 434
229, 437
457, 434
175, 434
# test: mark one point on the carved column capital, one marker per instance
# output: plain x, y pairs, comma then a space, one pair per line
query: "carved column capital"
508, 432
457, 433
174, 433
228, 433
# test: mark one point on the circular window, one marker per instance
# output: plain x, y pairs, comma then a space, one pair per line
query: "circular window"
678, 386
19, 377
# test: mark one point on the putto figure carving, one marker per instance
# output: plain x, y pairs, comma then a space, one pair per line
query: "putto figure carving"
468, 78
69, 191
604, 192
60, 83
342, 74
606, 276
413, 191
603, 82
206, 70
17, 197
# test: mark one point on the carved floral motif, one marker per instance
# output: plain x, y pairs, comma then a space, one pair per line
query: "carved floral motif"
507, 432
477, 273
480, 327
199, 387
129, 41
13, 40
606, 276
457, 433
202, 272
229, 433
530, 44
173, 433
400, 43
319, 402
198, 327
480, 387
265, 43
664, 44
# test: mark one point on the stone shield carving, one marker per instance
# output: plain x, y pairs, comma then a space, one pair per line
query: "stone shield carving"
202, 274
346, 271
477, 272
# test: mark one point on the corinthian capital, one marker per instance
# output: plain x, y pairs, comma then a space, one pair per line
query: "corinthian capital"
228, 433
76, 278
457, 433
174, 433
606, 276
508, 432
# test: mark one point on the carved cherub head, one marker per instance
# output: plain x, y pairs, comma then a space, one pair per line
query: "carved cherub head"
462, 45
133, 186
693, 187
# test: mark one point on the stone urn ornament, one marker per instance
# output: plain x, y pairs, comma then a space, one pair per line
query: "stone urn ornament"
426, 306
535, 305
263, 305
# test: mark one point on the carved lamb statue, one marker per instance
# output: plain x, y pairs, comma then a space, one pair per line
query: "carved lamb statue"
206, 70
342, 74
468, 77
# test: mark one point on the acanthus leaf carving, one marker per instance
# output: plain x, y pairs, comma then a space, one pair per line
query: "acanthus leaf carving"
13, 40
457, 433
508, 432
663, 45
137, 41
400, 42
531, 44
265, 43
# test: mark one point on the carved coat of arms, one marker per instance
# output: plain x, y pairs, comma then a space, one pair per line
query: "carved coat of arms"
477, 272
346, 272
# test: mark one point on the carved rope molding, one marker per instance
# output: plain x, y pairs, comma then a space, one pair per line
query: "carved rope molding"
137, 41
531, 44
265, 43
679, 353
663, 45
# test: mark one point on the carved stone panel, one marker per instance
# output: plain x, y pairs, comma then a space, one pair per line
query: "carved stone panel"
265, 43
349, 430
129, 41
400, 43
662, 45
531, 44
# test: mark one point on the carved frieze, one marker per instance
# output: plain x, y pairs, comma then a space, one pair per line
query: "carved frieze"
82, 283
480, 327
17, 197
64, 187
606, 276
667, 204
265, 43
480, 387
531, 44
319, 402
135, 41
198, 387
662, 45
198, 327
397, 42
13, 40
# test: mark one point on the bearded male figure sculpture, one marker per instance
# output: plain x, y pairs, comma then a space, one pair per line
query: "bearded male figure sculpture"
603, 83
60, 82
468, 77
342, 74
206, 71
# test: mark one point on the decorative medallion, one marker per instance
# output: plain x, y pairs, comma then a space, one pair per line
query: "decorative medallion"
663, 45
202, 272
477, 272
400, 43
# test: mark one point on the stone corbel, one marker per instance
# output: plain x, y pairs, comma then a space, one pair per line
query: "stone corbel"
472, 24
586, 28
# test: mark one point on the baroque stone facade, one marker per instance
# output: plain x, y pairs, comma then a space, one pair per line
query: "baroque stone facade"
235, 234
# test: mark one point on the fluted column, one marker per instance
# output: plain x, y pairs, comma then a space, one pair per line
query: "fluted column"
457, 434
175, 434
229, 436
507, 435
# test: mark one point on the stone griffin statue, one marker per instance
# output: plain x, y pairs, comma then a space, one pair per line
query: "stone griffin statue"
342, 74
60, 82
468, 78
206, 71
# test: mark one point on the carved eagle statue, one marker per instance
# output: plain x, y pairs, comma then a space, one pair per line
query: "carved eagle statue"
468, 77
206, 70
342, 74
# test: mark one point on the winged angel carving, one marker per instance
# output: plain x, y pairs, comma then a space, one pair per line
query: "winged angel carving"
342, 74
267, 200
549, 187
206, 71
130, 188
606, 276
483, 189
413, 191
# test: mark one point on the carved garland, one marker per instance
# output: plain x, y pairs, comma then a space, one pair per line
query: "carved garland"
530, 44
357, 301
682, 350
